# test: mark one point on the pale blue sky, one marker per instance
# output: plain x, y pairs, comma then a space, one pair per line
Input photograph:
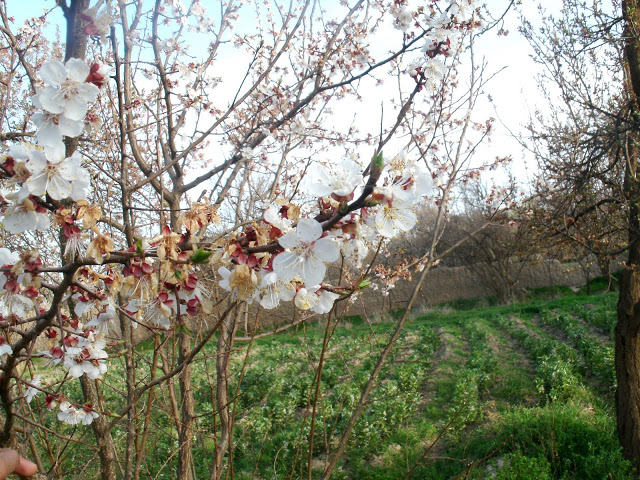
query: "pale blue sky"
514, 90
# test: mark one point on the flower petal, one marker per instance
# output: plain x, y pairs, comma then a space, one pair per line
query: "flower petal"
287, 265
289, 240
313, 271
326, 249
309, 230
76, 70
54, 73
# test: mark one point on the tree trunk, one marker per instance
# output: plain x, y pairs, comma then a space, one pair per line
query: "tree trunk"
627, 331
101, 432
223, 358
627, 362
187, 413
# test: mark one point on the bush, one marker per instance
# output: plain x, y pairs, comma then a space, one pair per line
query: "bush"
576, 442
519, 467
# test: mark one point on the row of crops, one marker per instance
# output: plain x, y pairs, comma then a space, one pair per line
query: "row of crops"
508, 393
478, 393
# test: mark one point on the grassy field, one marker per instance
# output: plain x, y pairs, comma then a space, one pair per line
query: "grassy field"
507, 392
517, 392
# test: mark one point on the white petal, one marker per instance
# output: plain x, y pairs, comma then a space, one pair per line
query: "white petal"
80, 185
87, 92
70, 128
405, 219
289, 240
7, 257
270, 299
51, 100
326, 249
309, 230
37, 184
313, 271
48, 134
305, 300
59, 188
286, 291
54, 73
317, 182
384, 224
37, 162
19, 152
424, 184
15, 222
286, 265
41, 221
76, 70
75, 108
76, 370
55, 152
326, 302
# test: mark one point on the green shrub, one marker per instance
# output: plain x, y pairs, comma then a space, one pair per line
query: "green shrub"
576, 442
519, 467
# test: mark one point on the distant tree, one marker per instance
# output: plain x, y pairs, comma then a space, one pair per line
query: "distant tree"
166, 165
585, 139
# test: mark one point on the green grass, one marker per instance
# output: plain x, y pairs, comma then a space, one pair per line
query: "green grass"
507, 384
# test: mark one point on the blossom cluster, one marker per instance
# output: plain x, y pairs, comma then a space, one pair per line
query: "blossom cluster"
296, 269
285, 256
38, 180
444, 29
36, 172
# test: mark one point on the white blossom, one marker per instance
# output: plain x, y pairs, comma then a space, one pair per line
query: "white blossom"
103, 321
73, 416
31, 390
395, 218
272, 290
23, 215
341, 179
5, 347
325, 301
88, 359
54, 174
272, 216
306, 300
52, 126
305, 253
67, 93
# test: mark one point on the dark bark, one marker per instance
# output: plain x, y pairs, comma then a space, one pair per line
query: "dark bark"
187, 413
627, 331
100, 427
223, 406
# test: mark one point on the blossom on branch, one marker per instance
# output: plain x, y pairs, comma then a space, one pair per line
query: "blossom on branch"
25, 214
272, 290
51, 173
73, 416
341, 179
67, 91
305, 253
394, 218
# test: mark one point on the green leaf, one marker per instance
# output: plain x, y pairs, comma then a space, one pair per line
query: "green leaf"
178, 274
378, 161
139, 250
364, 284
182, 328
200, 256
377, 164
